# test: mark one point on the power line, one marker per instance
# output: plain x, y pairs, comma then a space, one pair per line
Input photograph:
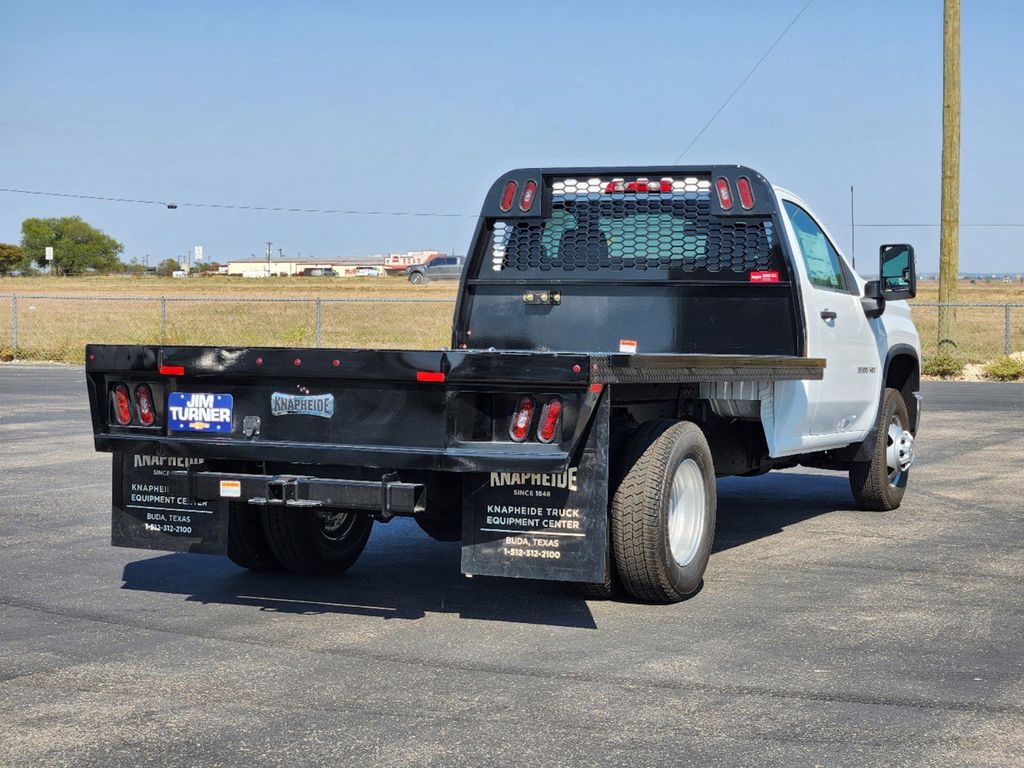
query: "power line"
233, 206
283, 209
934, 225
744, 80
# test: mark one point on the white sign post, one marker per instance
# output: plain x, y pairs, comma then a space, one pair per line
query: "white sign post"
49, 257
199, 252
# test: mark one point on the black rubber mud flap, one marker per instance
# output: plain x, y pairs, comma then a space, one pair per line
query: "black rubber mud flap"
542, 526
150, 512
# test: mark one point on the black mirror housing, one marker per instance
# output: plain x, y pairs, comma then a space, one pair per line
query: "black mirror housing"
897, 271
872, 301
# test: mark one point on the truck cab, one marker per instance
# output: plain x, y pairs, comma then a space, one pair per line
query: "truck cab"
866, 349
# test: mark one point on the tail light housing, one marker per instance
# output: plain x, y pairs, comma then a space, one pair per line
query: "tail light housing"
144, 405
529, 192
745, 193
508, 196
550, 416
121, 404
724, 193
522, 419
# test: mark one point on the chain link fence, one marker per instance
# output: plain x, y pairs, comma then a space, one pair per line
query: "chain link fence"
57, 328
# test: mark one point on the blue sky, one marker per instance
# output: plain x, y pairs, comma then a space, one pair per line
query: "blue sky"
419, 106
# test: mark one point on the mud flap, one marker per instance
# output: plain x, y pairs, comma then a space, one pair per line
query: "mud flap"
542, 526
150, 511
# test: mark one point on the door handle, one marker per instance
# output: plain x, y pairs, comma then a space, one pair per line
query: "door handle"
828, 314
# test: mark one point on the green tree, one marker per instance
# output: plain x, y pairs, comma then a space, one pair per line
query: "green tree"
77, 246
167, 266
12, 258
133, 267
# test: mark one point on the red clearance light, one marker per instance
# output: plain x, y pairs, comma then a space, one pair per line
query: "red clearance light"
549, 417
640, 185
122, 405
745, 193
724, 193
529, 192
508, 196
144, 399
520, 426
767, 276
172, 370
435, 376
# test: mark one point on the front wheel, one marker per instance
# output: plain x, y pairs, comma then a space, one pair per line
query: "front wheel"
315, 541
416, 278
879, 484
663, 512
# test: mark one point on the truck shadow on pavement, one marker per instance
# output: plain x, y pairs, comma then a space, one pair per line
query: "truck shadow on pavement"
402, 574
754, 508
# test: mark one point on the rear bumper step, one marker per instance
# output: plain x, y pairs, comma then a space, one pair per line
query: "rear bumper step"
388, 497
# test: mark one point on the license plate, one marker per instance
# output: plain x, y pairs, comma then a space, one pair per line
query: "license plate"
199, 412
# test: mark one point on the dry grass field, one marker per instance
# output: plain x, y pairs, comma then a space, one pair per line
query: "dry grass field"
380, 312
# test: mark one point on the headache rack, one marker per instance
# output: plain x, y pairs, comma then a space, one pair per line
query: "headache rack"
663, 260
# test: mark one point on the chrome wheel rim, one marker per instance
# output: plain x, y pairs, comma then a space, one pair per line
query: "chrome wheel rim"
899, 452
334, 524
686, 512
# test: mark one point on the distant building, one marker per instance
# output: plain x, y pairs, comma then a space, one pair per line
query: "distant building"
294, 268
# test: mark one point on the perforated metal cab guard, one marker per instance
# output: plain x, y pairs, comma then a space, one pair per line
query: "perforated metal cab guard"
669, 227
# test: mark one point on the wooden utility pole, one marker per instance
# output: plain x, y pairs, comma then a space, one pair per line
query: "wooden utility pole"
949, 236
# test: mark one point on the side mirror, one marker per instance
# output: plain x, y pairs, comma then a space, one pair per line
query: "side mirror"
898, 272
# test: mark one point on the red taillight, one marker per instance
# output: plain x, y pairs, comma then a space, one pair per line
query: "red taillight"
724, 193
549, 417
508, 196
144, 401
433, 376
520, 426
529, 192
745, 193
172, 370
122, 405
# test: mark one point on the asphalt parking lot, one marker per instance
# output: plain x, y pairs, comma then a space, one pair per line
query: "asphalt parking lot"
822, 636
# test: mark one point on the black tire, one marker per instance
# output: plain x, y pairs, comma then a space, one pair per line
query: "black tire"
874, 486
640, 512
247, 544
315, 542
444, 507
416, 278
441, 529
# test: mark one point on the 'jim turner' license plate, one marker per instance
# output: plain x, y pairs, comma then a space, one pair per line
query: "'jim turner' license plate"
199, 412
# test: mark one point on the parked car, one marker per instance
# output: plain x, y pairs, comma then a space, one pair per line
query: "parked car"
369, 271
439, 268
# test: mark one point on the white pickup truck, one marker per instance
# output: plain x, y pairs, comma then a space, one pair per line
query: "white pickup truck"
622, 337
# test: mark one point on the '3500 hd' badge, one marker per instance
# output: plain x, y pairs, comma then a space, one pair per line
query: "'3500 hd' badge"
283, 404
